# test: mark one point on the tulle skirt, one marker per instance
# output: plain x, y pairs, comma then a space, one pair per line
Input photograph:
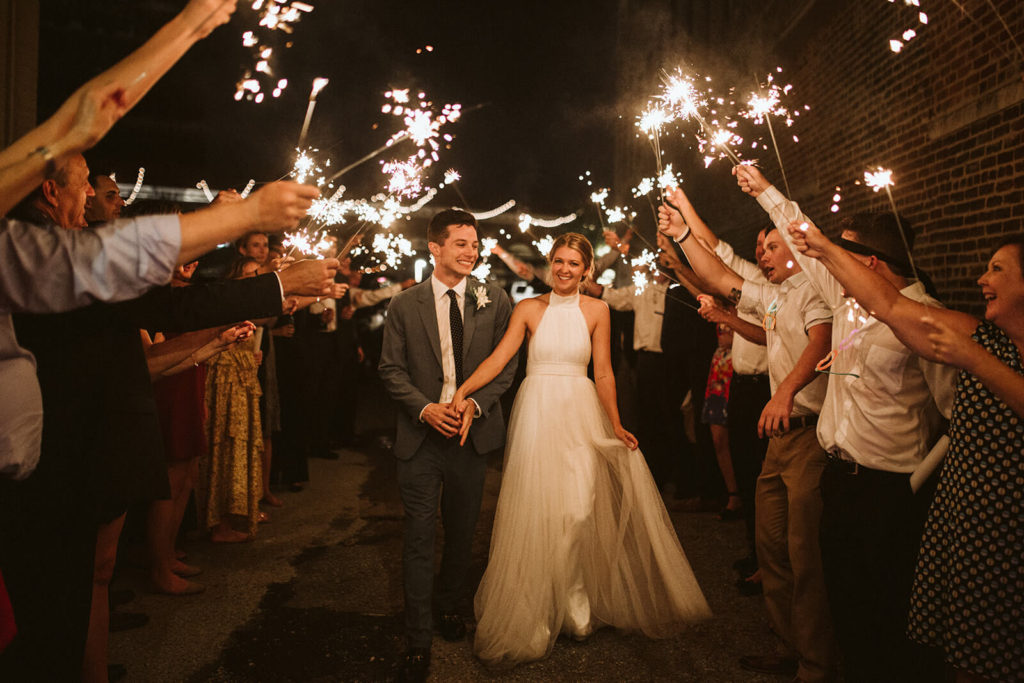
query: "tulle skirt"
581, 538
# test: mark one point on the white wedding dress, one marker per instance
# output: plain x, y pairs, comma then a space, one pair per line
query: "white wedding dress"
581, 538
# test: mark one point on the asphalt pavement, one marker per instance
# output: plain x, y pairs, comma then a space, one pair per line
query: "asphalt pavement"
317, 596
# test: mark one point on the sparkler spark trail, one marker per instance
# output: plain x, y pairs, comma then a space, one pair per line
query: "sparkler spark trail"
881, 178
318, 85
271, 16
685, 100
764, 104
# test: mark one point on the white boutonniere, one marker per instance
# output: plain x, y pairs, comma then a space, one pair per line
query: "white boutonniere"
479, 293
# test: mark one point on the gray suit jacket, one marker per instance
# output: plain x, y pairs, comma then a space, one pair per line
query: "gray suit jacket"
410, 363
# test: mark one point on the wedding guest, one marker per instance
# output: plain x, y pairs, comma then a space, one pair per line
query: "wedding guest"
253, 244
689, 343
96, 460
715, 415
749, 391
231, 478
966, 598
180, 394
882, 412
105, 204
652, 404
798, 329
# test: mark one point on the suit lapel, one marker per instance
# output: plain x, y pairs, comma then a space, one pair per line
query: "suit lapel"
428, 314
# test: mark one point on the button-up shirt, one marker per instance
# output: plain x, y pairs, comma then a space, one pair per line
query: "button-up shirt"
648, 308
798, 309
748, 358
50, 270
444, 329
884, 402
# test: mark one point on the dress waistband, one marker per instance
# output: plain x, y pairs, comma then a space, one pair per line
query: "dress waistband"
555, 368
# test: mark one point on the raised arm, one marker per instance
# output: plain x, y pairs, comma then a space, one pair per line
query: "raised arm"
877, 295
604, 378
274, 207
691, 217
712, 312
720, 279
88, 114
960, 351
783, 212
189, 350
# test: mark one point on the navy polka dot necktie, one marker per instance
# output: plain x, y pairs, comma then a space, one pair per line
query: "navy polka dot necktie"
455, 319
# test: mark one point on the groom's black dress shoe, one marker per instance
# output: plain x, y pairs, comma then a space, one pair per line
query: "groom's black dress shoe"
416, 665
451, 626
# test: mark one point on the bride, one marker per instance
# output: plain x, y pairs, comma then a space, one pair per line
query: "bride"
581, 538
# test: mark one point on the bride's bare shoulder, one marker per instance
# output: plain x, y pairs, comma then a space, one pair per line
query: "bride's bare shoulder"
590, 304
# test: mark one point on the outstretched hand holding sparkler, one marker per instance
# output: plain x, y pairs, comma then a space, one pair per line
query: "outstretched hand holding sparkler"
808, 239
750, 179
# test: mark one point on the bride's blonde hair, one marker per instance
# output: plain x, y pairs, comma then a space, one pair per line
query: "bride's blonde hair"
578, 242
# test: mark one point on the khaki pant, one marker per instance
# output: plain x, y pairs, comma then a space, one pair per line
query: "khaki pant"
788, 508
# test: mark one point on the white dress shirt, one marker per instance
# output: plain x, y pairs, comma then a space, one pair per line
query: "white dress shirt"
50, 270
748, 358
648, 308
884, 402
442, 305
798, 309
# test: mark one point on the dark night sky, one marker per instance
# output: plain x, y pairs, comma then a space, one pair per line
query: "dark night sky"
541, 68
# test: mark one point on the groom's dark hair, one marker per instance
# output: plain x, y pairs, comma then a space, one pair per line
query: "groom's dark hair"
437, 230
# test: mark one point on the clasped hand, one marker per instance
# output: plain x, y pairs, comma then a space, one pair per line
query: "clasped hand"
452, 418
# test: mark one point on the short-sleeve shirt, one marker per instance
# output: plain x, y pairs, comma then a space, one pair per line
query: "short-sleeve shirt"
797, 309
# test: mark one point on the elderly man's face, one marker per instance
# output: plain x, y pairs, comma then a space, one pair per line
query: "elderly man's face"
106, 205
67, 201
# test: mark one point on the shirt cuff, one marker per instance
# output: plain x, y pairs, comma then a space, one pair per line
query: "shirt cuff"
280, 285
770, 198
423, 411
478, 412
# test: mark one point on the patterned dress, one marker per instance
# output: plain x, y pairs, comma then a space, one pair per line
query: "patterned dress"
968, 596
231, 479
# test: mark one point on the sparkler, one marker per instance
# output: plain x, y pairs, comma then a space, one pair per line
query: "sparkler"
685, 100
651, 122
272, 16
318, 85
452, 178
766, 103
881, 178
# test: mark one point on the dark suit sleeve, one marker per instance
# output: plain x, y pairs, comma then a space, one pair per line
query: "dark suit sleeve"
197, 307
488, 396
394, 366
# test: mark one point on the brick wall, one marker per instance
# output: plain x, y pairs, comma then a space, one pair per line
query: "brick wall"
946, 115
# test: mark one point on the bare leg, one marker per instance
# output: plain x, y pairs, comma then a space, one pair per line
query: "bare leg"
720, 439
162, 530
268, 497
94, 666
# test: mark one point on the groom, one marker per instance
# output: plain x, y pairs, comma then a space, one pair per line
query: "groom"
436, 334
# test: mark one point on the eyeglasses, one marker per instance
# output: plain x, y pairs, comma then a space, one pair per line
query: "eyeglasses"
768, 323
